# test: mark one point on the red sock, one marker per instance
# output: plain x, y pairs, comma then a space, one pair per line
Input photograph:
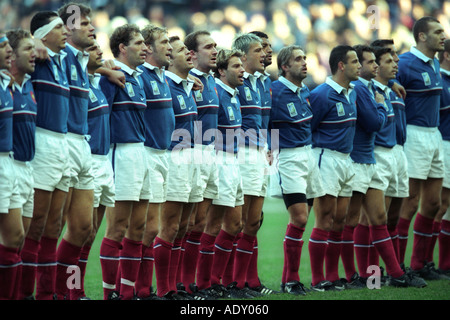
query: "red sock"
332, 255
383, 244
222, 251
145, 277
29, 255
109, 260
433, 240
393, 233
252, 271
9, 262
67, 256
162, 251
75, 294
228, 274
362, 245
423, 231
205, 261
317, 247
175, 258
130, 260
46, 269
244, 251
347, 252
190, 258
403, 231
374, 257
444, 246
293, 244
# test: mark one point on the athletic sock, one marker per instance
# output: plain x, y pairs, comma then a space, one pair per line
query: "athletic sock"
205, 261
130, 260
109, 260
9, 263
244, 251
423, 231
393, 233
162, 251
29, 255
252, 271
46, 269
383, 243
175, 258
362, 245
145, 276
317, 247
444, 246
347, 252
222, 251
403, 232
436, 230
189, 265
293, 244
228, 274
77, 293
67, 256
374, 257
332, 255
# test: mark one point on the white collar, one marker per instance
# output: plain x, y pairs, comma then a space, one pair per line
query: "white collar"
82, 57
252, 78
337, 87
201, 73
157, 70
134, 73
420, 55
25, 79
4, 79
94, 79
383, 87
57, 56
227, 88
187, 83
290, 85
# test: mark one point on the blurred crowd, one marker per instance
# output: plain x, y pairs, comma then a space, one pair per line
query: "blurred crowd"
315, 25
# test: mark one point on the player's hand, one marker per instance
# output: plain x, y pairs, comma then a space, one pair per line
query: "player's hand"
399, 90
198, 84
40, 50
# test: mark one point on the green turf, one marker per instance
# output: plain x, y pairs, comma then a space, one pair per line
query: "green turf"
270, 264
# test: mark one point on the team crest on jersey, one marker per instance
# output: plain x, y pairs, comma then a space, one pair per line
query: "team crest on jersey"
340, 109
248, 94
231, 113
291, 109
92, 96
155, 87
55, 72
198, 96
73, 73
426, 78
32, 96
130, 89
181, 102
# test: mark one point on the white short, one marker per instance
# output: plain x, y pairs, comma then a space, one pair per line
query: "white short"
182, 176
230, 181
446, 148
386, 178
299, 172
254, 170
51, 168
9, 187
80, 159
131, 174
336, 171
207, 169
104, 187
402, 173
364, 175
158, 170
423, 149
24, 175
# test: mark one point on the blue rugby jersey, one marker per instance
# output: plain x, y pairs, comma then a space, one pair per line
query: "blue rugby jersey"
77, 75
372, 116
444, 126
207, 107
400, 118
291, 114
386, 137
24, 120
250, 99
265, 90
52, 92
6, 115
334, 116
98, 118
185, 111
159, 115
127, 104
229, 118
421, 78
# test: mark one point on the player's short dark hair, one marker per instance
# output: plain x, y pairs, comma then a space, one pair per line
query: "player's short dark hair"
382, 43
422, 25
379, 52
360, 49
149, 33
174, 38
338, 54
223, 58
65, 13
123, 34
17, 35
191, 40
260, 34
40, 19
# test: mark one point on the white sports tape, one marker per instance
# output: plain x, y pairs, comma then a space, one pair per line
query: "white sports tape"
44, 30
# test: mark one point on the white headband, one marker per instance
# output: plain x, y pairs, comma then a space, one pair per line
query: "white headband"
42, 31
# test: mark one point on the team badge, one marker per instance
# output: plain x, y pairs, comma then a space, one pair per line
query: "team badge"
181, 102
426, 78
291, 109
92, 96
130, 89
198, 96
155, 88
340, 109
55, 72
248, 94
73, 73
231, 113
